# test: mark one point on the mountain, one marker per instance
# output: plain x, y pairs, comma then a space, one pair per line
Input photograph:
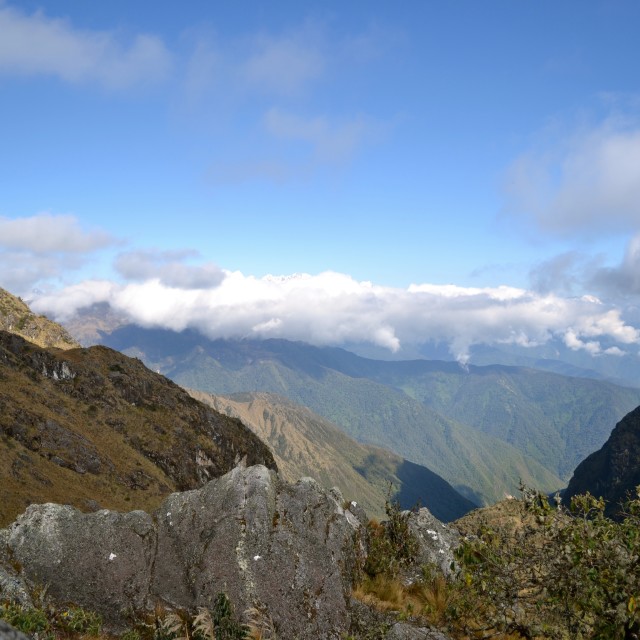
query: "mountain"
334, 384
305, 444
555, 419
94, 428
16, 317
612, 472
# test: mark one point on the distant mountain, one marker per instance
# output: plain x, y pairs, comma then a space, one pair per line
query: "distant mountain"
94, 428
613, 471
304, 444
16, 317
343, 388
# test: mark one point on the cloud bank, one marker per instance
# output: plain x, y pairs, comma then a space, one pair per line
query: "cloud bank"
332, 308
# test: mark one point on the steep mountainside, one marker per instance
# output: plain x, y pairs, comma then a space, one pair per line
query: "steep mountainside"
613, 472
93, 427
480, 466
16, 317
304, 444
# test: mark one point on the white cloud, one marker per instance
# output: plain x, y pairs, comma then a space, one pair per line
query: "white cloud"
623, 279
43, 247
38, 45
47, 233
332, 308
169, 269
284, 65
588, 182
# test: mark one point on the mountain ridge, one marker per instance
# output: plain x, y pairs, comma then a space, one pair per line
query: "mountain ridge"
93, 427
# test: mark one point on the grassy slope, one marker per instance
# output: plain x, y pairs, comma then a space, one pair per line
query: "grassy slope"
304, 444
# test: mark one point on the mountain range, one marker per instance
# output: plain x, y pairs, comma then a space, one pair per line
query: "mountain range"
481, 428
94, 428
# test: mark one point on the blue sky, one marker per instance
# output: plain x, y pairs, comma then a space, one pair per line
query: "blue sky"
409, 159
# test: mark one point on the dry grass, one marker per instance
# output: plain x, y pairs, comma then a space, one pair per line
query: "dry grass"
116, 434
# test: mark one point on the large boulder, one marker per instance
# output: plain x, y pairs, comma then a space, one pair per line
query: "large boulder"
285, 549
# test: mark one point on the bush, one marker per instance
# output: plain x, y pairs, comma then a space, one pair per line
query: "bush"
572, 574
391, 545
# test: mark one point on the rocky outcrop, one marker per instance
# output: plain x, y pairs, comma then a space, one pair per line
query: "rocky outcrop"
436, 541
612, 472
287, 549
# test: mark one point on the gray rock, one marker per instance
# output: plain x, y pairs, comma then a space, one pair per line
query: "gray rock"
437, 541
287, 549
404, 631
7, 632
12, 585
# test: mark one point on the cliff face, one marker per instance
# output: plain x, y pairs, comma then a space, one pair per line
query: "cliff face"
94, 428
613, 471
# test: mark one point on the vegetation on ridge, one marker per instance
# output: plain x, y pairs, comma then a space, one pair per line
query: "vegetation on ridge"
16, 317
525, 569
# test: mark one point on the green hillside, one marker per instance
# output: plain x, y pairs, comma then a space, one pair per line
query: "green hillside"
557, 420
304, 444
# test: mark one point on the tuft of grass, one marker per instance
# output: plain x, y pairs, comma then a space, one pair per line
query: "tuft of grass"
47, 622
260, 624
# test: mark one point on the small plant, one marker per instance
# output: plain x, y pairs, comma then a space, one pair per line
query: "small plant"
218, 623
48, 622
392, 546
25, 619
260, 624
77, 620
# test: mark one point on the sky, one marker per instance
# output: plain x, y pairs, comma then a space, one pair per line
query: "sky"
376, 172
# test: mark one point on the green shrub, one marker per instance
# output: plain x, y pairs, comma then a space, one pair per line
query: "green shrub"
391, 545
24, 619
572, 574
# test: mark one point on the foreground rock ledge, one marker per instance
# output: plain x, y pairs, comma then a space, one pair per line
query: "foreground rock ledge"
288, 549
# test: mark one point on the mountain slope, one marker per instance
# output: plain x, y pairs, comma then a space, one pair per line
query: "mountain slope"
304, 444
613, 471
481, 467
93, 427
557, 420
16, 317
